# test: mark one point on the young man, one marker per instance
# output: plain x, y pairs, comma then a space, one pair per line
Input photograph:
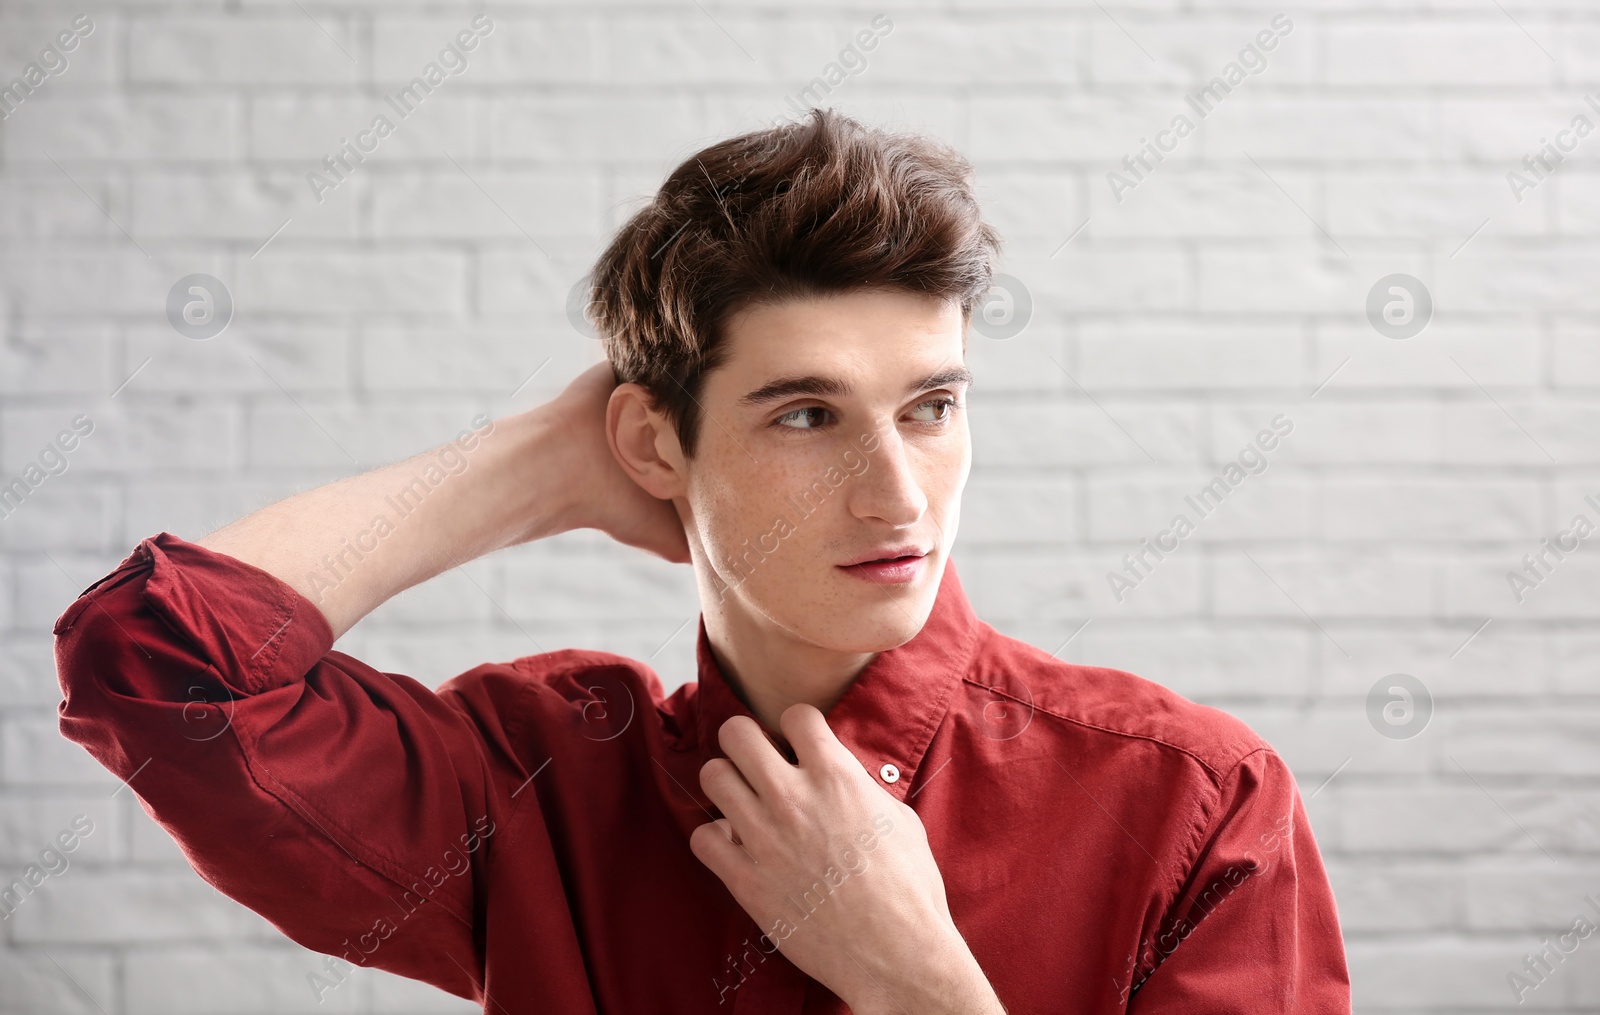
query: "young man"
870, 798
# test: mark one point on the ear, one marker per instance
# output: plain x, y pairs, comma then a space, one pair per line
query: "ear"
644, 443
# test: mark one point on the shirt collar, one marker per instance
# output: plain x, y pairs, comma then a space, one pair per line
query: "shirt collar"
888, 714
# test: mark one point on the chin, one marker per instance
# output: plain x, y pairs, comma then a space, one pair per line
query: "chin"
876, 619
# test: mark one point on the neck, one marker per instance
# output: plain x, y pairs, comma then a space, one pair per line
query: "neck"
770, 669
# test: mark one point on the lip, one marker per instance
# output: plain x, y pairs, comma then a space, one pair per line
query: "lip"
887, 553
890, 571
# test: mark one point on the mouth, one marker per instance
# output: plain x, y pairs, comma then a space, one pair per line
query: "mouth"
895, 568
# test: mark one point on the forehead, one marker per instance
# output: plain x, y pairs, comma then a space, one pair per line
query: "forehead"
854, 336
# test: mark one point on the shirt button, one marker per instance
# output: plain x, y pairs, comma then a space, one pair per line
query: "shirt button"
889, 773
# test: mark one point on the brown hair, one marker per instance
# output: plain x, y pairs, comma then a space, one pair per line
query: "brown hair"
818, 207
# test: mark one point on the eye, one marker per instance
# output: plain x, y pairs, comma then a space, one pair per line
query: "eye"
945, 408
800, 414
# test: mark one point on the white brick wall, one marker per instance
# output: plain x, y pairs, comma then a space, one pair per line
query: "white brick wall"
432, 282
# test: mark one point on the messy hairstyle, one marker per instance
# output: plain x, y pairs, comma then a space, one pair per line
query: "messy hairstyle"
822, 206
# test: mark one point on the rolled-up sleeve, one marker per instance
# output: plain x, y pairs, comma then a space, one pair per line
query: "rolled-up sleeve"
354, 809
1254, 927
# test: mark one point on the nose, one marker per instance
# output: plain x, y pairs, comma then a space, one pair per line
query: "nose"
888, 489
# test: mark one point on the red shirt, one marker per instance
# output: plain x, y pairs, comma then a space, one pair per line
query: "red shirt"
521, 835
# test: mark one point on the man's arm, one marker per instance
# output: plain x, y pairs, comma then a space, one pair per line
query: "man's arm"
1254, 926
527, 476
354, 809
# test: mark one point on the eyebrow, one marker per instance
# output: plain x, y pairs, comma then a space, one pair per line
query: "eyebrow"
786, 387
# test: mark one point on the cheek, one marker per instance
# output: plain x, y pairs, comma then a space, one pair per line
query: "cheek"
761, 522
736, 501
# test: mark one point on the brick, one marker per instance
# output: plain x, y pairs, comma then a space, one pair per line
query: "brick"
1208, 202
1534, 742
593, 129
1442, 205
35, 753
458, 597
1392, 128
1503, 660
1292, 278
1011, 364
890, 105
1443, 355
1028, 510
1574, 658
144, 128
523, 281
289, 49
42, 207
1396, 896
1025, 128
1355, 583
1418, 53
191, 508
56, 360
1198, 661
249, 207
1188, 53
1033, 203
127, 436
29, 825
283, 435
1501, 131
1108, 279
235, 979
516, 49
90, 64
1488, 278
1332, 432
297, 132
1039, 434
1012, 586
1454, 820
541, 586
296, 280
1130, 510
451, 205
1434, 973
89, 907
63, 282
1519, 431
252, 356
1189, 356
1476, 586
1428, 510
1322, 747
1575, 357
440, 653
56, 984
1509, 897
27, 664
982, 48
70, 513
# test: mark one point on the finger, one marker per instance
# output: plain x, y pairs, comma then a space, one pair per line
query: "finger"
728, 791
716, 845
748, 746
812, 738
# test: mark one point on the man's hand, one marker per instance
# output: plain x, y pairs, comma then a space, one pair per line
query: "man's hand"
600, 494
835, 871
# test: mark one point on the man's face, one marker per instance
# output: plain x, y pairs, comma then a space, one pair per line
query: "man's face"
834, 431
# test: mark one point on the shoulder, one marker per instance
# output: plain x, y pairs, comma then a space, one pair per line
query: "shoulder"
582, 686
1112, 705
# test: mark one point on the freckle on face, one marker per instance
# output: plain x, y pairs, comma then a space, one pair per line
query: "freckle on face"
779, 508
